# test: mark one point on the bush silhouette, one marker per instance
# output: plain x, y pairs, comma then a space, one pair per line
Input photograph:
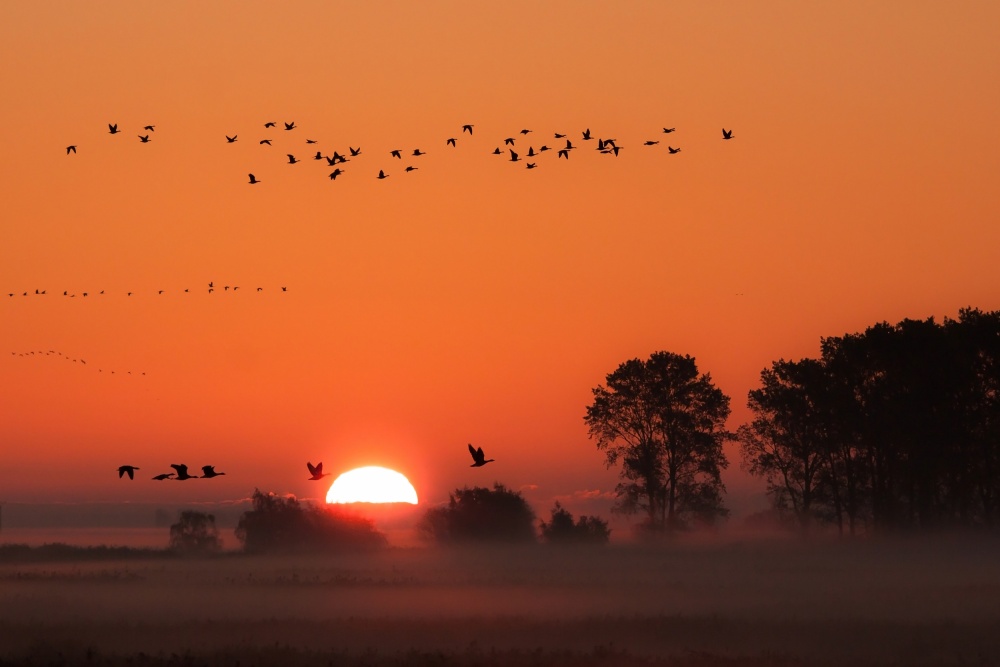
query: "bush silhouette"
195, 533
562, 530
481, 514
282, 523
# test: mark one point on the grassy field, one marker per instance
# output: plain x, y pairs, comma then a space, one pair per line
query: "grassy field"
748, 603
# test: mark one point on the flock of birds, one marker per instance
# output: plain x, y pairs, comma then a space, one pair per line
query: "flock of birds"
38, 354
222, 289
562, 146
315, 471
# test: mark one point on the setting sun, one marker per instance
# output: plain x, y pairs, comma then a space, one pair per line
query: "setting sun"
372, 484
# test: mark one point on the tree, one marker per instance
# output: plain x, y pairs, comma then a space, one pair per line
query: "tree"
665, 423
481, 514
281, 523
562, 530
195, 533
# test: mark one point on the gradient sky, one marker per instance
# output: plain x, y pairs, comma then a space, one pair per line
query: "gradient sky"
472, 300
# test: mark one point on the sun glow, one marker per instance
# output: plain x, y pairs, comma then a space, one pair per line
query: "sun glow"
371, 484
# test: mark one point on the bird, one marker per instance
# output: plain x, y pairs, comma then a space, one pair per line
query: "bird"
668, 130
569, 145
70, 149
266, 141
144, 138
563, 153
355, 151
290, 126
310, 141
291, 159
127, 470
727, 134
513, 157
543, 149
182, 471
479, 459
253, 180
162, 476
452, 141
531, 151
467, 128
509, 141
113, 128
318, 156
673, 150
209, 472
411, 168
316, 471
284, 289
560, 136
650, 143
382, 174
525, 131
417, 152
497, 151
335, 173
396, 154
586, 135
270, 123
532, 165
231, 139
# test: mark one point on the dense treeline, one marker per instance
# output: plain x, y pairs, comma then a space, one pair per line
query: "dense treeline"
894, 428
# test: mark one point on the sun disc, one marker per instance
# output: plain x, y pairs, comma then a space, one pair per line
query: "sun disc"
372, 484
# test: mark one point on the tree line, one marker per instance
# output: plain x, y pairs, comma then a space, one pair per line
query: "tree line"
895, 428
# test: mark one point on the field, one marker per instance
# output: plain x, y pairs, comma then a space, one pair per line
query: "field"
916, 602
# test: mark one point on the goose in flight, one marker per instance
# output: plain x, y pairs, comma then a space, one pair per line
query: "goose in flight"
409, 169
560, 136
509, 141
479, 459
586, 134
113, 128
514, 157
231, 139
467, 128
291, 159
525, 131
335, 173
127, 470
144, 138
253, 180
452, 142
381, 175
265, 141
318, 156
270, 123
417, 152
310, 141
70, 149
316, 471
650, 143
290, 126
673, 150
209, 472
564, 152
668, 130
532, 165
163, 476
182, 471
396, 154
497, 151
727, 134
355, 151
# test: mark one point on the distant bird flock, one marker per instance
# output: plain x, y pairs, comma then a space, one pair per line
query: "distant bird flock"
55, 354
211, 288
562, 146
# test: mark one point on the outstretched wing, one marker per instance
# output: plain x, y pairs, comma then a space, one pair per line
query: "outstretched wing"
182, 470
477, 453
315, 469
207, 470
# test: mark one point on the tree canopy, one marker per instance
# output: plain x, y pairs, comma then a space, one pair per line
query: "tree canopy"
481, 514
281, 523
897, 427
560, 529
195, 533
664, 422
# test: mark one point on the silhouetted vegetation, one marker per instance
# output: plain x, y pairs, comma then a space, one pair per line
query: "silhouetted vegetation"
586, 530
58, 551
481, 514
282, 523
665, 423
195, 534
897, 427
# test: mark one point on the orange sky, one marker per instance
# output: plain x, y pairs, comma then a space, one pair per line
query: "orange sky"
471, 300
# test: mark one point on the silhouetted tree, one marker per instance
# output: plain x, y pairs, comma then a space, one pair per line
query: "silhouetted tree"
586, 530
281, 523
195, 533
665, 423
481, 514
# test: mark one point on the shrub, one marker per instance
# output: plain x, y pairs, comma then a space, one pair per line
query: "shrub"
481, 514
587, 530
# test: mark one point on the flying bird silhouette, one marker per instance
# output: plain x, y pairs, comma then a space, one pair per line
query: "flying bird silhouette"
231, 139
532, 165
270, 123
113, 129
209, 472
513, 157
163, 476
355, 151
650, 143
381, 175
291, 159
408, 169
452, 141
144, 138
479, 459
127, 470
417, 152
150, 128
727, 134
290, 126
70, 149
316, 471
182, 471
673, 150
396, 154
266, 141
335, 173
668, 130
253, 180
586, 135
310, 141
467, 128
